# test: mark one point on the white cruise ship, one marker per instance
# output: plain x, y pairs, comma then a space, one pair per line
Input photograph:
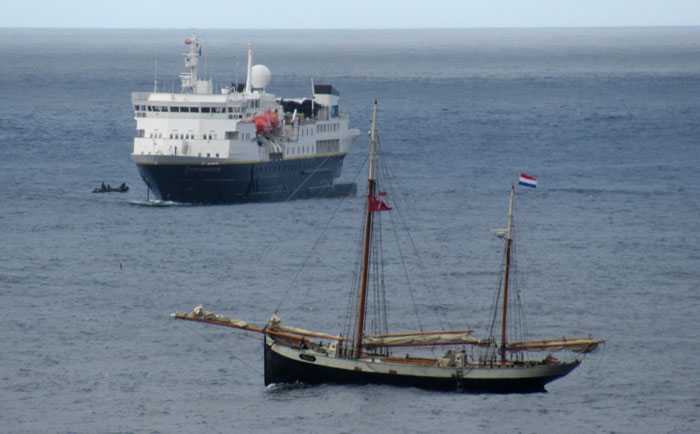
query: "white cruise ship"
240, 144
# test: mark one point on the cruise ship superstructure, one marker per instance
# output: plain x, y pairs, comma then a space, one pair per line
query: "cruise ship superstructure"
241, 144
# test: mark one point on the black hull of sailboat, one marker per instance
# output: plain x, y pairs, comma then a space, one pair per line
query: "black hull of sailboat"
281, 369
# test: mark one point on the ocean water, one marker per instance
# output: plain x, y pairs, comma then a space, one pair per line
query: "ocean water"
607, 120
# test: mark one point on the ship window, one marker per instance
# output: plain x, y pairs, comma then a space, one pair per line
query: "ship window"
194, 109
208, 154
171, 136
205, 109
164, 109
175, 109
149, 108
136, 108
184, 109
217, 154
230, 109
217, 109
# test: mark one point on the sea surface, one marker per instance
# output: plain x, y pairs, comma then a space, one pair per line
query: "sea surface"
607, 120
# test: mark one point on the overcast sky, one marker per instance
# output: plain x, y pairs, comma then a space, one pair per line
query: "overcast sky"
353, 14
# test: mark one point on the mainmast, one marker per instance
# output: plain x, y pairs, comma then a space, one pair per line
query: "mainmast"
509, 242
371, 185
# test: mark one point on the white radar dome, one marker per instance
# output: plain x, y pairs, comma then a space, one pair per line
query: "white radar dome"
260, 76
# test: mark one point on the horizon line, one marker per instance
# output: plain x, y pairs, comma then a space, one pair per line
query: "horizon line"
622, 26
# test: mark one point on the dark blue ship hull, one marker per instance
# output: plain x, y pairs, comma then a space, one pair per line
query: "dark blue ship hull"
225, 182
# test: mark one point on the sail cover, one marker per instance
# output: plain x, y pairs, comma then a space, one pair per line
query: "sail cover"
577, 345
429, 338
199, 313
276, 325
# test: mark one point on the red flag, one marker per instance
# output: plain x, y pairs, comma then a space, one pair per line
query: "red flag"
188, 41
382, 193
377, 204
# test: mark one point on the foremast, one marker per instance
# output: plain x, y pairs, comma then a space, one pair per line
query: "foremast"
371, 186
509, 242
576, 345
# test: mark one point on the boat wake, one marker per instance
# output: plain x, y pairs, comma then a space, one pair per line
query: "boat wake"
155, 203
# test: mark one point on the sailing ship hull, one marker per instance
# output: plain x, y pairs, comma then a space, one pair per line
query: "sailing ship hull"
288, 365
191, 180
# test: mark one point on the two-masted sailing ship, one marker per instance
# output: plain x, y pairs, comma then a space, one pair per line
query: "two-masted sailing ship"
495, 364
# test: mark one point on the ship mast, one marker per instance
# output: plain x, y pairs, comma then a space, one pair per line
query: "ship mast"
248, 88
189, 79
371, 185
509, 242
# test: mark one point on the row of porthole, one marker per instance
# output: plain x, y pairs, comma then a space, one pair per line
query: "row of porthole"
192, 136
177, 109
286, 168
325, 128
303, 149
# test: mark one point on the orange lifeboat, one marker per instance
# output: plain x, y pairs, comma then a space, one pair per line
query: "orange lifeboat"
266, 122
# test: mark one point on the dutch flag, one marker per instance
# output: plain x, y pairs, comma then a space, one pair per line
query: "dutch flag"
527, 181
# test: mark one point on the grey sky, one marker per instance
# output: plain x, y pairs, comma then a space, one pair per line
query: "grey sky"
360, 14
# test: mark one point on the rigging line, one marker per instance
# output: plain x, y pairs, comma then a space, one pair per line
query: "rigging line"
351, 309
434, 253
291, 195
495, 301
517, 285
376, 249
313, 248
227, 350
382, 287
440, 314
307, 178
405, 271
518, 281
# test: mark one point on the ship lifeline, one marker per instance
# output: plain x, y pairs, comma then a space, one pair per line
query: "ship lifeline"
242, 144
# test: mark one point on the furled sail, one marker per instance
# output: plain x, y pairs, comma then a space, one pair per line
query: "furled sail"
275, 324
455, 337
199, 313
577, 345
